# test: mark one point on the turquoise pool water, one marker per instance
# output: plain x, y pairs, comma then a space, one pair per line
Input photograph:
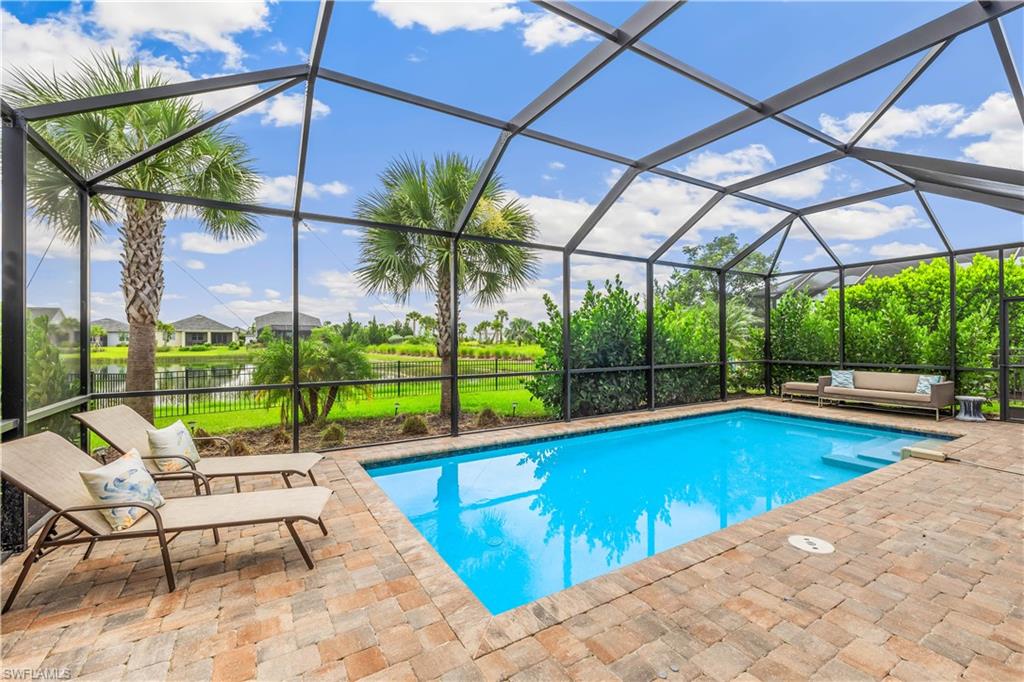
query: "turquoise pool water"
518, 523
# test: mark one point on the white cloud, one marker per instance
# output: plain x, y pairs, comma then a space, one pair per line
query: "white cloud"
546, 29
106, 304
841, 250
196, 27
803, 185
279, 46
231, 289
287, 110
924, 120
898, 249
281, 189
732, 166
195, 264
867, 220
272, 293
349, 232
556, 165
540, 31
202, 242
40, 239
997, 118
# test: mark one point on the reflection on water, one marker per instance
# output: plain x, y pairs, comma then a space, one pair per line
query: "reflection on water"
520, 523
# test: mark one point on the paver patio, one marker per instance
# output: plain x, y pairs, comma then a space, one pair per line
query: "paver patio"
926, 583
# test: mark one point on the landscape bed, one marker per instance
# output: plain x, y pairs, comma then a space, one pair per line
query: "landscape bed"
520, 522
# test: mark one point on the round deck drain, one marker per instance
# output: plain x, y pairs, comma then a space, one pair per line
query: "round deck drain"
811, 544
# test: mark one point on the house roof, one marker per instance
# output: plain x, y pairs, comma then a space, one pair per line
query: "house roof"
111, 325
48, 312
200, 323
283, 318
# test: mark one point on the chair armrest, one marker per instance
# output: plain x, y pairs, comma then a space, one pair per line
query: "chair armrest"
942, 393
824, 381
182, 474
66, 512
189, 464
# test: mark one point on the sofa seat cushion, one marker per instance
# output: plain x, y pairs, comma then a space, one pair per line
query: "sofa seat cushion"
881, 396
800, 387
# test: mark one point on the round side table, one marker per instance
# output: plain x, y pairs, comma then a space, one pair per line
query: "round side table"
970, 408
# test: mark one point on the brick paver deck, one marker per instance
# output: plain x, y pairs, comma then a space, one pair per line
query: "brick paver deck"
926, 584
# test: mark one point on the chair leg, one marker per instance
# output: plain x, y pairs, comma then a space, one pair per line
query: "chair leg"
166, 554
30, 559
298, 543
287, 483
88, 550
238, 485
323, 528
312, 478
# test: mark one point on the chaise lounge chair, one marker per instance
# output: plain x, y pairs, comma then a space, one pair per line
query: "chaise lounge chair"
124, 429
47, 467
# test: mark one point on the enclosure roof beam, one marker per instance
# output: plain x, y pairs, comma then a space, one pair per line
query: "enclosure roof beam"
778, 251
196, 202
898, 91
757, 243
997, 200
192, 131
602, 207
316, 51
196, 87
935, 221
855, 199
911, 164
686, 227
821, 241
785, 171
1006, 57
643, 20
923, 37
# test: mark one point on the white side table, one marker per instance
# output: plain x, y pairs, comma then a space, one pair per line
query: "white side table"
970, 408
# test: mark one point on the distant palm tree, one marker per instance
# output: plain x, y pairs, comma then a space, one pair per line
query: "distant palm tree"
211, 164
520, 330
413, 317
432, 195
499, 324
482, 331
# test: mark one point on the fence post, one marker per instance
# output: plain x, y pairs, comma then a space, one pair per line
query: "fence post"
399, 376
186, 392
495, 373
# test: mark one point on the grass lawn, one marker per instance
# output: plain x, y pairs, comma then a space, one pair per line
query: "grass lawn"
499, 401
215, 353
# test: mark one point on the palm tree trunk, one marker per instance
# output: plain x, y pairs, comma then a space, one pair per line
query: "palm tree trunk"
444, 337
142, 283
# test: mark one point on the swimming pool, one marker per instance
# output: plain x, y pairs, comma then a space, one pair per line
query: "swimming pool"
518, 523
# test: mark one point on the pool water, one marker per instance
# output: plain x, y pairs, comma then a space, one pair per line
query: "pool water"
518, 523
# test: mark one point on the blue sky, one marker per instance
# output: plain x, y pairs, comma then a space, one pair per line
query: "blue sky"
494, 57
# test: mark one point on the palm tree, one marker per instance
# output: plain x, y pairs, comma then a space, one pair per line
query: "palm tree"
211, 164
432, 195
413, 318
520, 330
499, 324
166, 330
482, 331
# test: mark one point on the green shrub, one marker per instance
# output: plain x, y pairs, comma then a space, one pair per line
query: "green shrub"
414, 425
487, 418
334, 434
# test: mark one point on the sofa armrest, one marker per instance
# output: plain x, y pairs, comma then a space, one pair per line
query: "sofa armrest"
824, 381
942, 393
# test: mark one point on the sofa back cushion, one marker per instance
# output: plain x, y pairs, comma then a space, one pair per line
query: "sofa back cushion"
885, 381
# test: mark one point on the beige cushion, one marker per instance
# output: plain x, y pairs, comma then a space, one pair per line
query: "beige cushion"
170, 444
235, 509
124, 480
878, 396
249, 465
799, 387
885, 381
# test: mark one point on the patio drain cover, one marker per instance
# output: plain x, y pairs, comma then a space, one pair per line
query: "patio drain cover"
811, 544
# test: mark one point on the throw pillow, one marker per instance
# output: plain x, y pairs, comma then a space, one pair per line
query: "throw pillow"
925, 381
123, 480
169, 444
842, 378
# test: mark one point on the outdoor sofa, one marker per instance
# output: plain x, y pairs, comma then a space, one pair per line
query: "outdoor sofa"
875, 388
46, 466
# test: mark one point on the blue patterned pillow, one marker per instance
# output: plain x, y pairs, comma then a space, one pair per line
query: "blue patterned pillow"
123, 480
925, 381
842, 378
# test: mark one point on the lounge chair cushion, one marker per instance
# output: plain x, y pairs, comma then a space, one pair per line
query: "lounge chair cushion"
123, 480
208, 511
793, 387
885, 381
251, 465
169, 444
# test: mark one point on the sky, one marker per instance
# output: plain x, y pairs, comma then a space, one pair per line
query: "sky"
494, 57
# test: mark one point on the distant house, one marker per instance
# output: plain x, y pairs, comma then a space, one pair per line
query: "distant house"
280, 324
63, 329
115, 332
199, 329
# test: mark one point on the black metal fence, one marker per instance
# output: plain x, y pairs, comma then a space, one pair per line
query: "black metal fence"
476, 374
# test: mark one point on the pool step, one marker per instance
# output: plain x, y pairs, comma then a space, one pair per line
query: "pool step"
867, 460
